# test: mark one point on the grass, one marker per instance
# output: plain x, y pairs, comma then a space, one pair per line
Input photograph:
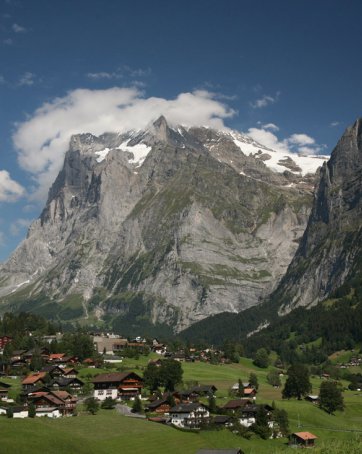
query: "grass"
109, 432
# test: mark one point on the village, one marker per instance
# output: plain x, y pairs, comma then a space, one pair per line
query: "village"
63, 385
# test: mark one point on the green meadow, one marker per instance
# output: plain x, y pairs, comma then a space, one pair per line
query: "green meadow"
109, 432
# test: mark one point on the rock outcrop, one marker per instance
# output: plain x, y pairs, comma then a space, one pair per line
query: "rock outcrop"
332, 243
188, 222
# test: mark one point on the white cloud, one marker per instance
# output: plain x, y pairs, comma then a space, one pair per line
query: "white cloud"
18, 28
10, 190
8, 41
271, 126
104, 75
265, 101
334, 124
295, 143
18, 225
27, 79
2, 79
43, 139
120, 73
301, 139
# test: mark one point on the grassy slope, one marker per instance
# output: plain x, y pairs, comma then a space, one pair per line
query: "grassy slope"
109, 432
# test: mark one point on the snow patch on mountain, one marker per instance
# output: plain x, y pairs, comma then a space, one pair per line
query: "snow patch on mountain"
277, 160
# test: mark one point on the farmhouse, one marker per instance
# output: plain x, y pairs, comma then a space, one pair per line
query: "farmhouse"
125, 386
192, 415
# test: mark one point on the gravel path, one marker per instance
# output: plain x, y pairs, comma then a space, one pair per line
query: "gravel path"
126, 411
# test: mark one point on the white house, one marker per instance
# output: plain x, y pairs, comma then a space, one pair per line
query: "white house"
20, 412
50, 412
191, 415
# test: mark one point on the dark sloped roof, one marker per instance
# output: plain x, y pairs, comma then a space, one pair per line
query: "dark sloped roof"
186, 408
113, 377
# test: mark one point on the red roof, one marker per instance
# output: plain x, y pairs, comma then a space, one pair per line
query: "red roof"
305, 435
33, 378
56, 356
249, 390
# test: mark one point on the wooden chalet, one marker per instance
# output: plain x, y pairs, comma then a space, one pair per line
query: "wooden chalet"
302, 439
4, 390
124, 386
75, 384
204, 390
191, 415
160, 406
236, 404
4, 340
53, 370
32, 380
61, 400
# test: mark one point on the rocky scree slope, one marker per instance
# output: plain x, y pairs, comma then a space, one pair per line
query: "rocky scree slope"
180, 222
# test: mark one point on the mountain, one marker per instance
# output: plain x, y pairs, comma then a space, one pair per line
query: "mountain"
331, 246
163, 226
326, 268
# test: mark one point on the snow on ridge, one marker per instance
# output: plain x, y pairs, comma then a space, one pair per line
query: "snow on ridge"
273, 158
102, 154
139, 151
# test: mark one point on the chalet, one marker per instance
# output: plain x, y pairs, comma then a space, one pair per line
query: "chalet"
236, 404
177, 397
161, 406
61, 400
158, 348
18, 363
302, 439
204, 390
53, 370
63, 382
125, 386
191, 415
70, 372
61, 359
250, 392
57, 358
247, 415
17, 354
4, 340
32, 380
89, 362
221, 420
4, 390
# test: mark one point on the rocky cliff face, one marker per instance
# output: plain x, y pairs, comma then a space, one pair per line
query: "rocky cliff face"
332, 243
169, 224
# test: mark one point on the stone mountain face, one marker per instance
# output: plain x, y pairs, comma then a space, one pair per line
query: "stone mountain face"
167, 224
331, 248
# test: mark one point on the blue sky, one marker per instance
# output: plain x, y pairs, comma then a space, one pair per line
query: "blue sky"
271, 68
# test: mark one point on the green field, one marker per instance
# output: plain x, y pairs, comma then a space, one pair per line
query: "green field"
109, 432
